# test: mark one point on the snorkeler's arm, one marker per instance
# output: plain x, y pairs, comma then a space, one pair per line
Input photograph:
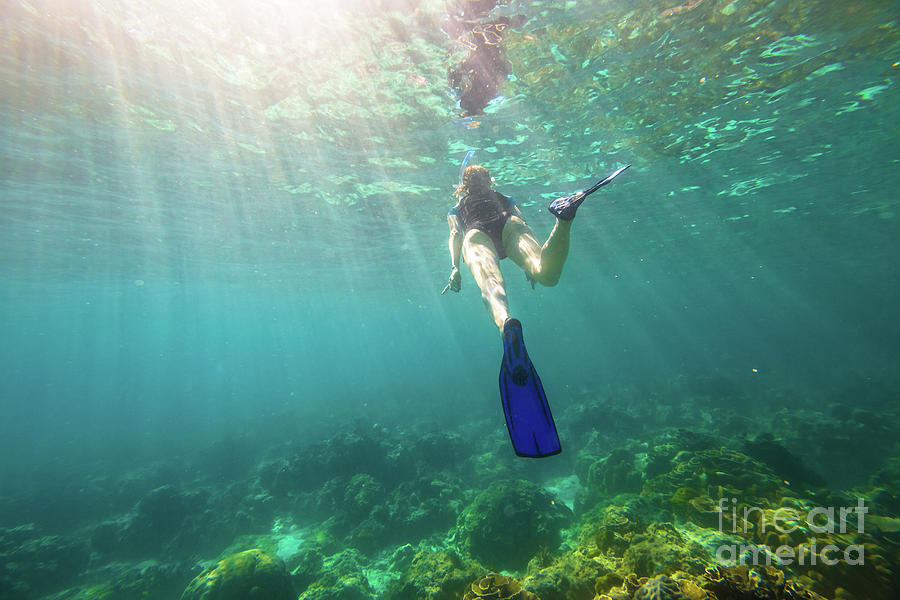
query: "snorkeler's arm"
456, 242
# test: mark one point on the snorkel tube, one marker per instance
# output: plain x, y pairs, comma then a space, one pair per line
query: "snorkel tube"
464, 164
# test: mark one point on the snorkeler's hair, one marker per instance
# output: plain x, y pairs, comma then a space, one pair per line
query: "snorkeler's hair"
472, 175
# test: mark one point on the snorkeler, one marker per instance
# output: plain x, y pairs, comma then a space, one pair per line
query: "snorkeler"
486, 227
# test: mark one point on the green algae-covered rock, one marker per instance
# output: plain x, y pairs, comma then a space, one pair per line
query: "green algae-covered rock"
249, 575
616, 473
507, 524
31, 563
570, 576
662, 549
435, 575
127, 581
341, 577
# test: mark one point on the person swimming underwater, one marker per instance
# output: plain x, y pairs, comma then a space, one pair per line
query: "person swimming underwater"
486, 227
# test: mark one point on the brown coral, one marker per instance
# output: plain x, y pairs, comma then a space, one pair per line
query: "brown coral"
497, 587
660, 587
744, 581
435, 575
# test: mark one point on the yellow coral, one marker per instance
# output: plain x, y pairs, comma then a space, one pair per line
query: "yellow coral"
497, 587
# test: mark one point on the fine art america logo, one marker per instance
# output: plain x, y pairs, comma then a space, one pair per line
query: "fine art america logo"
784, 521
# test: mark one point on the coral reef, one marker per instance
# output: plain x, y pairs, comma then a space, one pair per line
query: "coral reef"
765, 448
571, 575
341, 576
507, 524
306, 567
726, 493
497, 587
662, 549
744, 581
660, 518
147, 579
717, 583
249, 574
435, 575
883, 488
34, 563
161, 517
659, 588
313, 466
617, 473
367, 487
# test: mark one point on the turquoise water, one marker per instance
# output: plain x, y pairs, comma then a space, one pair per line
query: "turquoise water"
228, 221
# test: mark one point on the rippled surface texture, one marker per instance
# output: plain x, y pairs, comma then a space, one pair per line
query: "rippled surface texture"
138, 136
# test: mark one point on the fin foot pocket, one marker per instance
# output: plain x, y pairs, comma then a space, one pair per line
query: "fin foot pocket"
520, 375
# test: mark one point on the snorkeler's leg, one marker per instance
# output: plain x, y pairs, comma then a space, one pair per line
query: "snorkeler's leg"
480, 255
543, 264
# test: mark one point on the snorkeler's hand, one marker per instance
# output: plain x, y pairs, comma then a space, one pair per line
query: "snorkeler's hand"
454, 283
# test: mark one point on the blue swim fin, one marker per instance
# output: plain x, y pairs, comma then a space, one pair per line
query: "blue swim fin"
528, 419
